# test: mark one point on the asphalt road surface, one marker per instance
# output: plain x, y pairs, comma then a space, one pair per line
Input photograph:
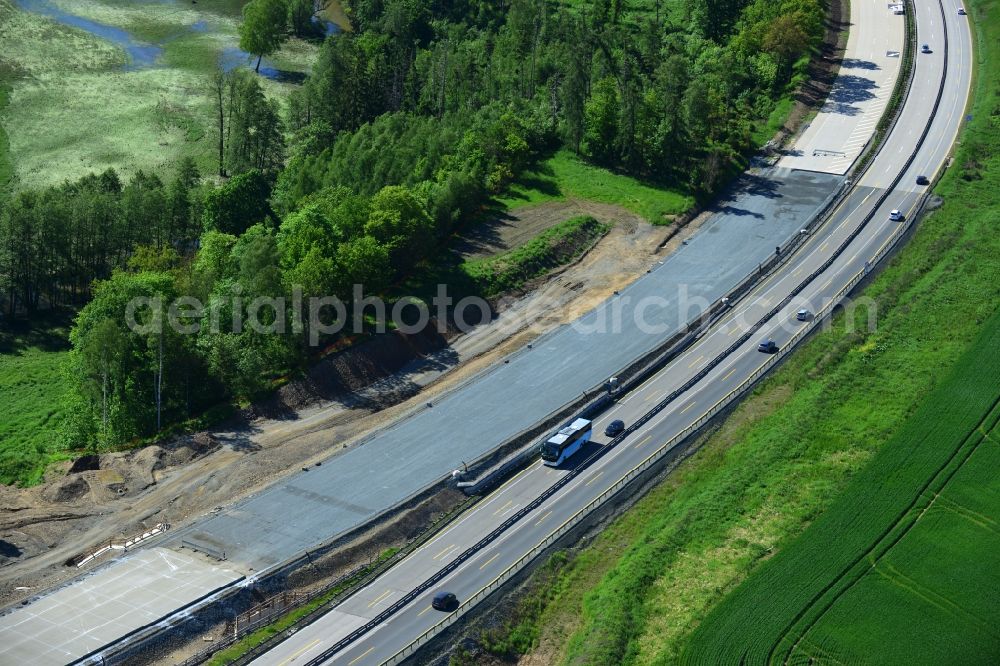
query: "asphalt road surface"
393, 634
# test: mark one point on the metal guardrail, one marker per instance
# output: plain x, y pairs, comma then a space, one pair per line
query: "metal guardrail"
259, 649
125, 546
716, 310
652, 459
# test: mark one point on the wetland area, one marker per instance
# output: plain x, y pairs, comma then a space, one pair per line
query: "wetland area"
96, 84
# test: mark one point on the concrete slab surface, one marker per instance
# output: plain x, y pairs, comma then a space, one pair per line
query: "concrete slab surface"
115, 600
847, 121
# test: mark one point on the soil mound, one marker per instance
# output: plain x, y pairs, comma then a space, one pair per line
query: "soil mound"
70, 489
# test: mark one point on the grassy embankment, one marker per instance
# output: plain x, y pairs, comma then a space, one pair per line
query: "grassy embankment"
506, 272
255, 638
552, 248
637, 593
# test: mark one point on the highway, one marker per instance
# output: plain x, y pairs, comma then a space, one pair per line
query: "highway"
933, 114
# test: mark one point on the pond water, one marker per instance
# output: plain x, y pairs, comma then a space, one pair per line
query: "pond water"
142, 55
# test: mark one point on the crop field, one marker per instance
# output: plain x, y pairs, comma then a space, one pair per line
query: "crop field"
905, 566
135, 97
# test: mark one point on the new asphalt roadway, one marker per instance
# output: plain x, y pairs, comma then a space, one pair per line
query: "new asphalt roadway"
864, 215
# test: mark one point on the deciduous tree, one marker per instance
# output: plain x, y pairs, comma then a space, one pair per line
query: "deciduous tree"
264, 27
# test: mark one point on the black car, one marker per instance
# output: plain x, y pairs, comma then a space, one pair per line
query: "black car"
768, 347
922, 180
614, 428
444, 601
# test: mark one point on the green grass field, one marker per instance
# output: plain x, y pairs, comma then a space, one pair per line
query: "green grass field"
33, 390
905, 566
636, 595
565, 175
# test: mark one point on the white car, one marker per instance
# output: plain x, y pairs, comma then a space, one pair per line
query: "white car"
895, 215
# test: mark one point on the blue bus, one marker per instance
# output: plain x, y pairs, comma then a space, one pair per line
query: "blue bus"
566, 442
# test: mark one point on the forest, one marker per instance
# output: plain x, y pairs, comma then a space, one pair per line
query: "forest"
404, 131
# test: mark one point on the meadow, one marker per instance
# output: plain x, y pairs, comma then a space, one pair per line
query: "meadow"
639, 591
34, 394
564, 175
80, 104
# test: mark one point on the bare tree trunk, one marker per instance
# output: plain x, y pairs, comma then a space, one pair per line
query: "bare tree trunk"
104, 403
159, 385
219, 84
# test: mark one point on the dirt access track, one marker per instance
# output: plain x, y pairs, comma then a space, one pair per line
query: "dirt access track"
344, 397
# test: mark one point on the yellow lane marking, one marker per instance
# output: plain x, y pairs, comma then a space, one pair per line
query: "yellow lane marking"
444, 551
648, 437
424, 611
797, 273
690, 405
294, 656
736, 329
542, 519
594, 478
360, 656
380, 598
827, 283
489, 561
696, 361
728, 374
822, 248
504, 507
